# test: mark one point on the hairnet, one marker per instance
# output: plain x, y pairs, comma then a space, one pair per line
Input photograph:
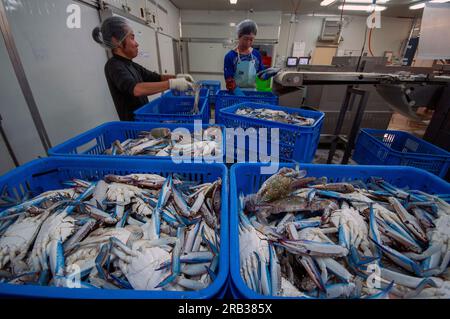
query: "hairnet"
113, 27
246, 27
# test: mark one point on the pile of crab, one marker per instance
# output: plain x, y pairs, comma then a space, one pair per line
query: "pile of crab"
163, 142
303, 237
141, 231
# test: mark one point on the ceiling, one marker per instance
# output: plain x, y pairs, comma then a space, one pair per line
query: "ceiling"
396, 8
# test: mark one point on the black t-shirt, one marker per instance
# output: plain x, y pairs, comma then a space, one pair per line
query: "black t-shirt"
122, 75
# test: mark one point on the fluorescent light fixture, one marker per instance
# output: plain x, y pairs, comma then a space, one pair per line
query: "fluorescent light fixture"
366, 1
361, 8
322, 15
417, 6
325, 3
233, 1
232, 24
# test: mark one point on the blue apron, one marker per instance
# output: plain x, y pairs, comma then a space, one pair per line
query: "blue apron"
245, 75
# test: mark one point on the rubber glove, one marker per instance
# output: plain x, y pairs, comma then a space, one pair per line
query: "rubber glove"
268, 73
231, 84
188, 77
180, 84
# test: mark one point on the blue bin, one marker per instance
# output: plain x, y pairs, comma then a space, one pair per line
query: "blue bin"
247, 179
174, 109
225, 99
213, 87
46, 174
296, 143
380, 147
190, 93
95, 142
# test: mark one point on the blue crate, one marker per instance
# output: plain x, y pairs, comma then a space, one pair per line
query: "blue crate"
297, 143
190, 93
247, 179
380, 147
225, 99
95, 142
48, 174
174, 109
213, 86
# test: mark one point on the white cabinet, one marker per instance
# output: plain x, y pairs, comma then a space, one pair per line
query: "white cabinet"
119, 4
163, 19
137, 8
133, 7
166, 54
151, 15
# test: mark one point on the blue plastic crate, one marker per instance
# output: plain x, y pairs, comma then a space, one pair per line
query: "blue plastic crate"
48, 174
174, 109
95, 142
190, 93
247, 179
296, 143
225, 99
380, 147
213, 86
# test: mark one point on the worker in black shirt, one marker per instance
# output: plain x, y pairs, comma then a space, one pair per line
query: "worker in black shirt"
129, 82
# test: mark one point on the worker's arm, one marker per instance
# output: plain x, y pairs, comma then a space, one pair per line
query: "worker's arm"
229, 70
167, 77
150, 88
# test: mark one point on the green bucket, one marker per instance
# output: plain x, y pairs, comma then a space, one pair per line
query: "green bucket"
263, 86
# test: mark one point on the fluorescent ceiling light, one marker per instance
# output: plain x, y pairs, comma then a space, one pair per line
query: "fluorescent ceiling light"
366, 1
233, 1
232, 24
325, 3
322, 15
361, 8
417, 6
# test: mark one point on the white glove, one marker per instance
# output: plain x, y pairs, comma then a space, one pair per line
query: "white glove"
180, 84
188, 77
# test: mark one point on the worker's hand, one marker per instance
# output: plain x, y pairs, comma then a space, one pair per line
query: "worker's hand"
188, 77
180, 84
268, 73
231, 84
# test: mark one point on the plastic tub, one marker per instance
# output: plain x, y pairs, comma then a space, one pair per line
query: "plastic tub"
225, 99
174, 109
95, 142
247, 179
296, 143
47, 174
380, 147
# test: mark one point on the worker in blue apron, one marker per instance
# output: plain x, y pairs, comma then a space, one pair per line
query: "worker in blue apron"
243, 64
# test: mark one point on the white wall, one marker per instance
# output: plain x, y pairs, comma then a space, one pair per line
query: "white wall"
17, 122
216, 24
65, 67
170, 22
215, 31
393, 33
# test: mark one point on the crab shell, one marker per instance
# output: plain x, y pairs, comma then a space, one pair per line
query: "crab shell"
140, 270
18, 237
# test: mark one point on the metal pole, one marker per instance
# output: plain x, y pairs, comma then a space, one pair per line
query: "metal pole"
8, 145
340, 122
356, 123
21, 77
